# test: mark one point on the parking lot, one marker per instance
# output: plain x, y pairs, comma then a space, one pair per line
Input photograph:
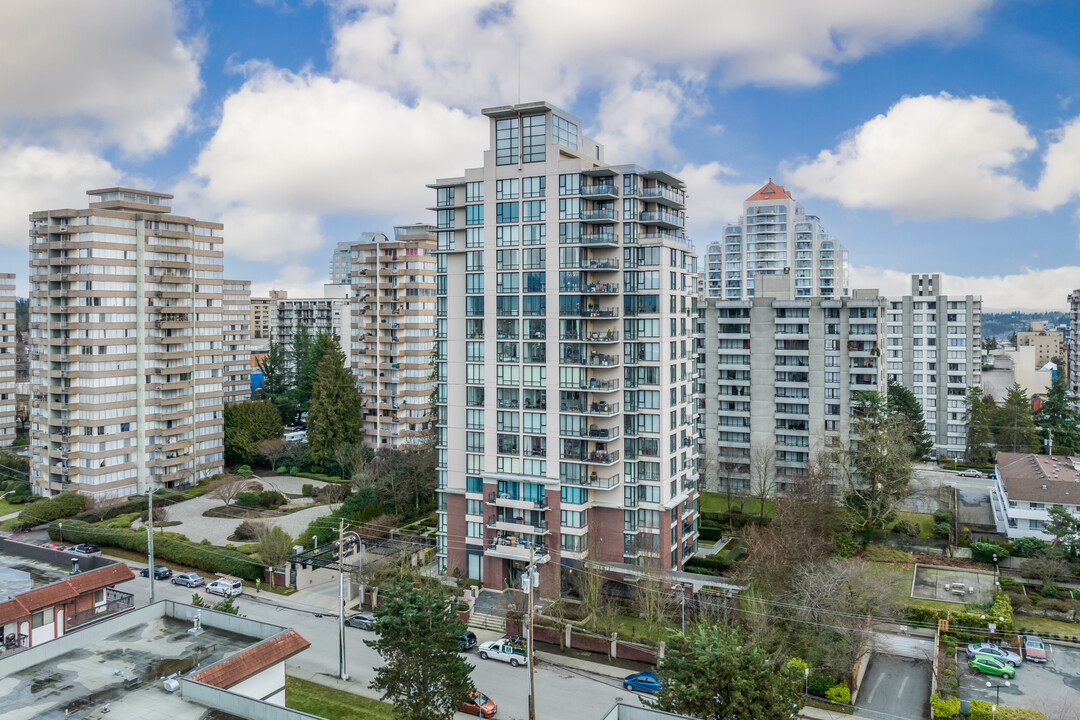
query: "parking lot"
895, 687
1051, 688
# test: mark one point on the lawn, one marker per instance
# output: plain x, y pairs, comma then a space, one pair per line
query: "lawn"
1048, 626
717, 503
923, 520
331, 703
7, 508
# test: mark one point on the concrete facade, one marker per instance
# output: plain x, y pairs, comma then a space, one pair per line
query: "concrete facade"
781, 375
775, 236
393, 322
7, 359
125, 346
236, 329
1048, 344
1027, 486
935, 350
263, 312
330, 314
565, 358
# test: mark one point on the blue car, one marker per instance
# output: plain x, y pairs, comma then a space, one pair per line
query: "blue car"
646, 682
992, 476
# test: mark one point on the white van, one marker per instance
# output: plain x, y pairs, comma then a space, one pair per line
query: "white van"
296, 436
225, 588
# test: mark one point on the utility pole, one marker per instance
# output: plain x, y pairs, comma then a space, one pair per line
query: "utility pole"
532, 576
342, 672
150, 539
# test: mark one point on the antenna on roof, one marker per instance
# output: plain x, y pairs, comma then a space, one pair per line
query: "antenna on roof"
519, 74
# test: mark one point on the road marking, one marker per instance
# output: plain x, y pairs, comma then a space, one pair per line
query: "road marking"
874, 689
902, 686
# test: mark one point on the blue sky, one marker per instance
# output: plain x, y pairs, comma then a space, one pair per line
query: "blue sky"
929, 136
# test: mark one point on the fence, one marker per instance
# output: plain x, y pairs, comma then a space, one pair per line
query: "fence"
115, 602
914, 545
580, 639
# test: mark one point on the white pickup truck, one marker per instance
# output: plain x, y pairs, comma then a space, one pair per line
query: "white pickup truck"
503, 650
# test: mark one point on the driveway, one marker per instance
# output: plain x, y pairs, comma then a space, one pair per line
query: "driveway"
1051, 688
895, 687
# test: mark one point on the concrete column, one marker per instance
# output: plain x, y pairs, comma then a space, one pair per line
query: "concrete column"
567, 634
614, 653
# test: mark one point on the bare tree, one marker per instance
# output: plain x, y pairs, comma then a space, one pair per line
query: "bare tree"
652, 593
227, 488
273, 449
763, 475
589, 580
274, 546
1047, 568
352, 458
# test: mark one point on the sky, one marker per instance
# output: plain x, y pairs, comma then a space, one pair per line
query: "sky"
928, 136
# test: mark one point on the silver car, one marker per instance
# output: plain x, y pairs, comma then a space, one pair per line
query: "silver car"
995, 651
188, 579
364, 621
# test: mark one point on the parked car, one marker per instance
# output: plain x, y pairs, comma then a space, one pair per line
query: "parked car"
85, 549
991, 476
364, 621
992, 666
970, 473
480, 705
504, 650
1034, 650
54, 546
188, 579
467, 641
160, 572
994, 651
225, 588
643, 682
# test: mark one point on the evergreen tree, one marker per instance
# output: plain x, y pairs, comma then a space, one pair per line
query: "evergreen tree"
1014, 426
334, 415
1057, 416
301, 349
978, 434
277, 380
903, 402
425, 677
712, 673
247, 424
876, 470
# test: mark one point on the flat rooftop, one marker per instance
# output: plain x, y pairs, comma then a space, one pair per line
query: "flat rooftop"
19, 574
124, 670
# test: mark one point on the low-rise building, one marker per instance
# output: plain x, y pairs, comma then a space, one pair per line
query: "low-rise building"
328, 314
45, 593
1048, 344
1027, 486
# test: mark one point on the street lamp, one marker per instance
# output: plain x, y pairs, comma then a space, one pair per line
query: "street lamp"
60, 526
6, 494
314, 541
806, 680
998, 688
682, 597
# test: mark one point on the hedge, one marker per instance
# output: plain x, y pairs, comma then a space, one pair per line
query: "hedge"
1002, 607
944, 706
705, 532
984, 552
63, 505
182, 552
839, 694
981, 710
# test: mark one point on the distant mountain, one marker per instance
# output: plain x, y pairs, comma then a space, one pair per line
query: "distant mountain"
1002, 325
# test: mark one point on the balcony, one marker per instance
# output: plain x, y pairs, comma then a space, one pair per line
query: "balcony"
593, 433
600, 289
596, 409
604, 215
662, 217
605, 458
599, 240
594, 386
517, 548
505, 523
599, 265
116, 602
514, 501
593, 312
598, 482
598, 189
664, 195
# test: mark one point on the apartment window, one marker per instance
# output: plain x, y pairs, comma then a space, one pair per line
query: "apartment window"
506, 141
474, 306
564, 132
532, 234
474, 214
506, 212
570, 184
533, 138
533, 211
444, 197
474, 260
507, 282
474, 238
474, 192
474, 283
507, 189
507, 235
506, 259
41, 618
532, 187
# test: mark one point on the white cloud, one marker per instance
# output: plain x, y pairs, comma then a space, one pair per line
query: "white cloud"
298, 280
1028, 289
937, 156
656, 106
37, 178
713, 196
118, 64
269, 235
307, 145
474, 53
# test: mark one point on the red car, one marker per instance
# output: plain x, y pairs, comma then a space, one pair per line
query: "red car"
1034, 650
54, 546
480, 705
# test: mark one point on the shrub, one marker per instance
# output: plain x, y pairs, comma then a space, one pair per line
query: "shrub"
1026, 547
944, 706
281, 470
846, 544
940, 531
1075, 593
949, 682
247, 499
906, 527
1009, 583
712, 534
839, 694
969, 619
1054, 605
981, 710
332, 493
249, 530
984, 552
942, 515
243, 471
172, 547
308, 490
61, 506
294, 470
797, 665
1048, 591
271, 498
819, 685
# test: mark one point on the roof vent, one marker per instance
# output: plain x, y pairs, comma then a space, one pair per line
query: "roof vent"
74, 566
1044, 487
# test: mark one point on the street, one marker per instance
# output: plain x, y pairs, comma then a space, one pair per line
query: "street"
560, 692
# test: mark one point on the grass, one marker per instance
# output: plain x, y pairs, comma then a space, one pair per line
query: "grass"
331, 703
7, 508
883, 554
1046, 625
923, 520
717, 503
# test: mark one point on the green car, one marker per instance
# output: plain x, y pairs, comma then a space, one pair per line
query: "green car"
992, 666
